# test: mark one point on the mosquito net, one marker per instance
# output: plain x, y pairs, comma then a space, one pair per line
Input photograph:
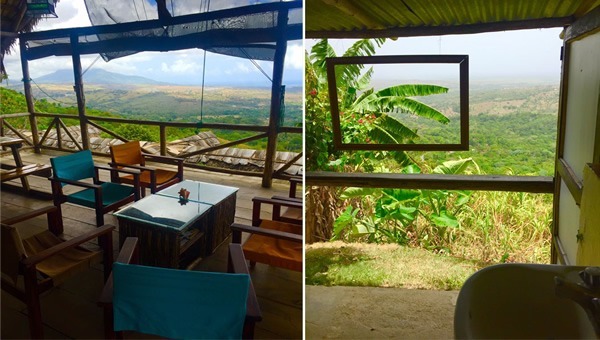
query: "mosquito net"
241, 28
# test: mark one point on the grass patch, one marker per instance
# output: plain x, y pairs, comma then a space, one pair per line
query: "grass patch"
388, 265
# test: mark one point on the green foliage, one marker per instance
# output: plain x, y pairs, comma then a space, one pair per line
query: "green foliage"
318, 132
396, 211
365, 114
360, 264
232, 106
519, 143
136, 132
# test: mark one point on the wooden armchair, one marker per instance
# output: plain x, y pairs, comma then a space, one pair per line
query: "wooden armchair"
129, 155
44, 260
178, 303
294, 181
98, 195
273, 242
289, 214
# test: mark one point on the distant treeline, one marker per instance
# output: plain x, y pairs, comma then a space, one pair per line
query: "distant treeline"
519, 143
14, 102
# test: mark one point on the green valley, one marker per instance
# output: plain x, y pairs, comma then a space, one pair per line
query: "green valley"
169, 104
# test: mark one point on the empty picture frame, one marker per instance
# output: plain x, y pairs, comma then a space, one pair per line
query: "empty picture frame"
463, 64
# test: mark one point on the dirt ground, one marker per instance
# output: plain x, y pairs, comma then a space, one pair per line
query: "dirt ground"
376, 313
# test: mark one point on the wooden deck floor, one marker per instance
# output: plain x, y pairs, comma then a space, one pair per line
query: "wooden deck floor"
70, 310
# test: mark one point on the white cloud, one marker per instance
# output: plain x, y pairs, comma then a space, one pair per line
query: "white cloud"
181, 66
174, 66
41, 67
294, 57
71, 13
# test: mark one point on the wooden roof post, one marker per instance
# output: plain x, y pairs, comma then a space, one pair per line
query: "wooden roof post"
29, 96
85, 141
278, 60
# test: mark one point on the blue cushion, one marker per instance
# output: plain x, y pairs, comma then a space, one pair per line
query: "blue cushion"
111, 193
179, 303
75, 166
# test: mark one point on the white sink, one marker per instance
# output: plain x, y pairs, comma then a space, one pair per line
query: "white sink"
519, 301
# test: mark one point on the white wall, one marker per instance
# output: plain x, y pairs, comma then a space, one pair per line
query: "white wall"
581, 114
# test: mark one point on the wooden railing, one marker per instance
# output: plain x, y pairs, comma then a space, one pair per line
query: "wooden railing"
58, 124
533, 184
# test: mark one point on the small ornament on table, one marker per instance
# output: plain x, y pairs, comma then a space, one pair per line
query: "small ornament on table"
183, 196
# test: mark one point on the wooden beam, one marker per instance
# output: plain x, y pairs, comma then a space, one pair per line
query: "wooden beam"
398, 32
5, 34
596, 156
463, 64
567, 174
85, 141
583, 26
256, 38
163, 12
560, 147
276, 99
29, 98
534, 184
216, 126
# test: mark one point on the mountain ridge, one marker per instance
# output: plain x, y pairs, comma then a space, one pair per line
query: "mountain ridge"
97, 76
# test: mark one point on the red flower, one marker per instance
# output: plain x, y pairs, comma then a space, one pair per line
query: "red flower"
360, 121
313, 92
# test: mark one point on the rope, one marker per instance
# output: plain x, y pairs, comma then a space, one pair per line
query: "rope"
92, 64
255, 64
136, 11
144, 7
48, 95
202, 92
203, 72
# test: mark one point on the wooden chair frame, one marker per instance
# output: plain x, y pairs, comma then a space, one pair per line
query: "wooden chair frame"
59, 197
37, 283
142, 167
237, 228
289, 214
130, 254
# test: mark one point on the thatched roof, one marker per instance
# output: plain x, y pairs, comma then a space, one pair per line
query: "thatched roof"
14, 21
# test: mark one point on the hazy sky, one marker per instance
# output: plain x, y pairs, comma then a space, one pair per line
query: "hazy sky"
522, 54
176, 66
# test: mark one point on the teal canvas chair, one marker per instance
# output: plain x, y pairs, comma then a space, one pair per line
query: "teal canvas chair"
179, 304
101, 196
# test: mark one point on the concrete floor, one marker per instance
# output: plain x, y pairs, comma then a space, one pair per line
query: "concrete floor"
376, 313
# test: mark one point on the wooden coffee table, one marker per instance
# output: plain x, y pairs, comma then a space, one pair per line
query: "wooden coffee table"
174, 233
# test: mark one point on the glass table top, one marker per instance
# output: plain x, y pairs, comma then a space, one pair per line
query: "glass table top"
164, 211
207, 193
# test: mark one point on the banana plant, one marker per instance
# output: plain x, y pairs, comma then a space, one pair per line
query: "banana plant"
366, 115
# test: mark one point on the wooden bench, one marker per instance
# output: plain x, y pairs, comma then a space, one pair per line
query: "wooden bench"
26, 170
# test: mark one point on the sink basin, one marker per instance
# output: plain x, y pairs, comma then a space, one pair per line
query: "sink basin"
519, 301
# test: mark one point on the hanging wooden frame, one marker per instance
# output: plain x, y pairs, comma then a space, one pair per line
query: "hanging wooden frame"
463, 64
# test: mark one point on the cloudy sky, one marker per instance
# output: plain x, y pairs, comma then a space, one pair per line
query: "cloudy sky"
180, 67
524, 54
514, 55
